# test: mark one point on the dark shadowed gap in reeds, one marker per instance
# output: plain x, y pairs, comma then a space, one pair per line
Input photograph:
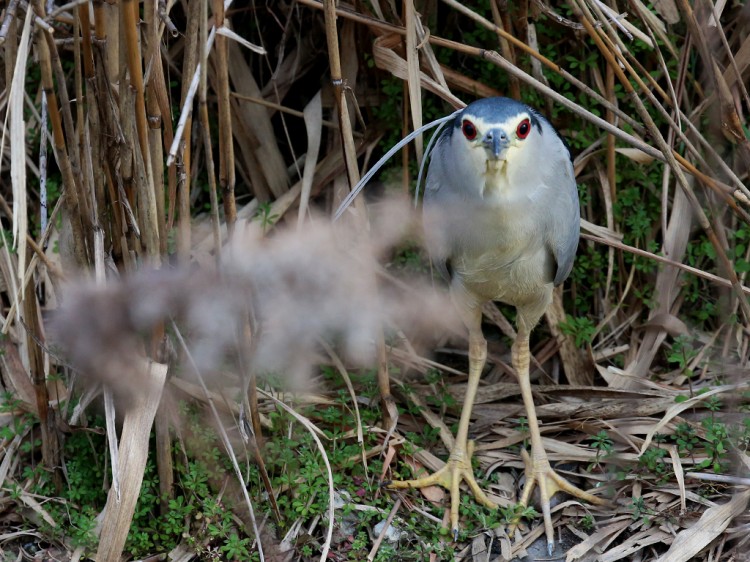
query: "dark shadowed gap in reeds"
197, 365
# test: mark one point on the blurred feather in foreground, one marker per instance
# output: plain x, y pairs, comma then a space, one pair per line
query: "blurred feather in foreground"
296, 287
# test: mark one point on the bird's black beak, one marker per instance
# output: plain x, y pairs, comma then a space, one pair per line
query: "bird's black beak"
496, 142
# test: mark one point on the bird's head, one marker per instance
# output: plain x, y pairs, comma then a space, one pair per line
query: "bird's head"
496, 131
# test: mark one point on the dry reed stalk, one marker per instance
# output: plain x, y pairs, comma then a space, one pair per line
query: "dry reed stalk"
72, 196
157, 106
390, 413
143, 169
226, 145
206, 130
192, 51
413, 83
502, 22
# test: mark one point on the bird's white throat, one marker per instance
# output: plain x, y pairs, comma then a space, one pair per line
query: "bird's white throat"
495, 166
495, 176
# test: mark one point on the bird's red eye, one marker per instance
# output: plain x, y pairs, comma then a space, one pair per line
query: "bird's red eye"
523, 129
469, 130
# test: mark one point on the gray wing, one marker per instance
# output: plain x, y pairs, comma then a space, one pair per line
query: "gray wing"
562, 214
438, 195
564, 223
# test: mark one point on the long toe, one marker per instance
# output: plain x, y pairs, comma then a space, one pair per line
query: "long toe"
540, 474
456, 470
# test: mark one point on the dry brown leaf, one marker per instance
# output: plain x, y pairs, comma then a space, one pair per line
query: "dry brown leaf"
314, 125
679, 475
134, 446
712, 523
18, 148
389, 455
38, 508
610, 531
385, 56
667, 9
634, 544
667, 322
257, 123
413, 74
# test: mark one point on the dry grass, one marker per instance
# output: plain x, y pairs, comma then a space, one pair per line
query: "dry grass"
179, 258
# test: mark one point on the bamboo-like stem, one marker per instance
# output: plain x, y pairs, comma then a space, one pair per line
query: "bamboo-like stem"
86, 176
159, 118
64, 106
164, 464
390, 413
61, 150
51, 447
87, 53
501, 22
206, 130
337, 81
129, 18
154, 114
145, 181
226, 146
100, 29
190, 62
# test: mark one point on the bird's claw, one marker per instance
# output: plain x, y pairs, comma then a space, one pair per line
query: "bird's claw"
540, 473
457, 468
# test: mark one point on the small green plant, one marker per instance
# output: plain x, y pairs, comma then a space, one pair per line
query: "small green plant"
642, 511
652, 461
685, 438
266, 216
581, 328
681, 355
236, 547
515, 512
682, 352
409, 258
717, 445
587, 523
603, 445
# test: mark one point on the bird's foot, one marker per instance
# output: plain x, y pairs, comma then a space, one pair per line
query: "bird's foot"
540, 474
457, 468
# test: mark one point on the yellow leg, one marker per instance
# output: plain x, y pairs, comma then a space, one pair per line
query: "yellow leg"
538, 470
458, 467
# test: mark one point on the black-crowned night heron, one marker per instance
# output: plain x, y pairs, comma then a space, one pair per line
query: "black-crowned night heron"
501, 222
